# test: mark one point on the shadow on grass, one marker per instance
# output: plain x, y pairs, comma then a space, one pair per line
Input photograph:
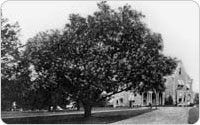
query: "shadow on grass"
193, 115
97, 118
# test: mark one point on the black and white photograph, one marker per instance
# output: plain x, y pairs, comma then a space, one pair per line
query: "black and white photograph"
100, 62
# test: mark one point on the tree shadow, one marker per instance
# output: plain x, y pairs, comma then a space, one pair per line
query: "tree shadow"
96, 118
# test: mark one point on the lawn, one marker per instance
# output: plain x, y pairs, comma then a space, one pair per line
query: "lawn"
97, 118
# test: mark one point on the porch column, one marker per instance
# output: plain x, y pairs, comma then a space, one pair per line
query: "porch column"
160, 100
163, 98
186, 99
183, 97
147, 99
177, 98
150, 97
174, 99
157, 98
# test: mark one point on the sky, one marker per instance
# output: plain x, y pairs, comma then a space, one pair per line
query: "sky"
177, 21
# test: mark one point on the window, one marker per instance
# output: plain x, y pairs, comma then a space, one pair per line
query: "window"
187, 87
180, 100
121, 100
180, 86
179, 71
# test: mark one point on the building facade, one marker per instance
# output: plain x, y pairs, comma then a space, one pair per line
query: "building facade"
178, 92
179, 87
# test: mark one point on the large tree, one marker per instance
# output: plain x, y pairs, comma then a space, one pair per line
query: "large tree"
109, 51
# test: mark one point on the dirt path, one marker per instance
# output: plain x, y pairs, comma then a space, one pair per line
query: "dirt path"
164, 115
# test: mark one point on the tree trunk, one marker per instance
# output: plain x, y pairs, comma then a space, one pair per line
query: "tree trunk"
54, 107
49, 108
78, 105
87, 110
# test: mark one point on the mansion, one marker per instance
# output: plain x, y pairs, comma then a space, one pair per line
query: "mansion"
178, 91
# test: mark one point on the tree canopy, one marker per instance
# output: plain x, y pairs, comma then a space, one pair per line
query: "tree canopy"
109, 51
92, 58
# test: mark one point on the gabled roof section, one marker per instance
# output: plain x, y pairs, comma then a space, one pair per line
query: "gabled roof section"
180, 72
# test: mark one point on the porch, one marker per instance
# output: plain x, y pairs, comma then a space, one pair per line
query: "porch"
152, 98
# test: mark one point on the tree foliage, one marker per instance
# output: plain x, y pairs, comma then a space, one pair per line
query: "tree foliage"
9, 47
11, 88
108, 51
196, 98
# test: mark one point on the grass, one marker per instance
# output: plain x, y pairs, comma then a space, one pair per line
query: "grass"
96, 118
6, 114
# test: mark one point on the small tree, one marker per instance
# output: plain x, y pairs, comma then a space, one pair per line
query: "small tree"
11, 89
